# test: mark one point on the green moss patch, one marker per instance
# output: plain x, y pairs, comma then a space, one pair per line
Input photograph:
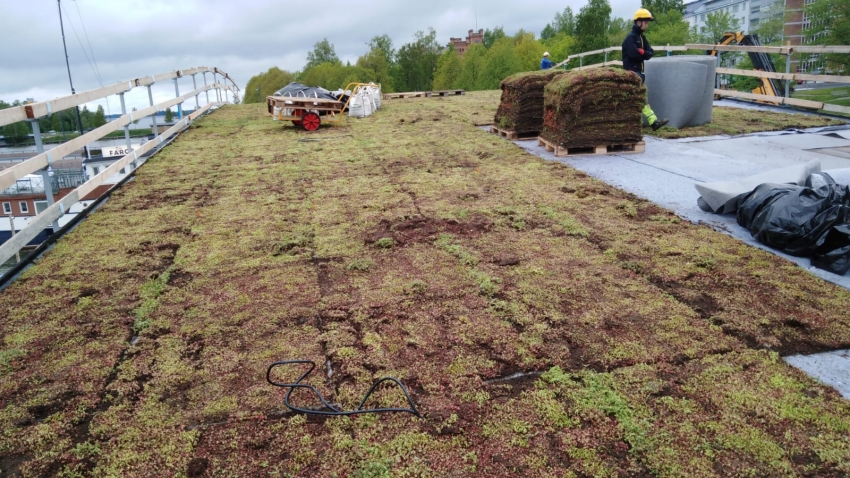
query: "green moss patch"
546, 324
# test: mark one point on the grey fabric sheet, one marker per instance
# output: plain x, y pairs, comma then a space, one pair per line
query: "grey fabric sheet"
721, 196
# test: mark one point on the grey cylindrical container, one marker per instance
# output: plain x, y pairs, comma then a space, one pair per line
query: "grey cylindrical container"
668, 80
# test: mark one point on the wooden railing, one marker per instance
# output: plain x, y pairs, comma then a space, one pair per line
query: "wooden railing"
31, 112
780, 50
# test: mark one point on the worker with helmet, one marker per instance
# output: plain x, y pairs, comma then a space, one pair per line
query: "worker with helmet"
546, 63
636, 50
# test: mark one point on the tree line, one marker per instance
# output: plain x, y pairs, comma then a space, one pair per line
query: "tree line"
64, 121
425, 64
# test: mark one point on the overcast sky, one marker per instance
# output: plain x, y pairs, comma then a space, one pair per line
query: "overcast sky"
134, 38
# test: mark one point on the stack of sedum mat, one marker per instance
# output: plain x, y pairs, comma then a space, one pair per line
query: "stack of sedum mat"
521, 108
595, 107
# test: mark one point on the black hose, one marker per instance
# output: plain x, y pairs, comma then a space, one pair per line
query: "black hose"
333, 411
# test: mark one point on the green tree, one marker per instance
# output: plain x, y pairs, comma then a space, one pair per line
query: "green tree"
771, 29
334, 76
592, 28
87, 117
500, 61
548, 32
169, 115
617, 31
657, 7
668, 28
528, 51
67, 121
417, 61
830, 25
565, 22
99, 118
55, 122
321, 75
473, 67
559, 46
492, 36
376, 62
449, 69
716, 24
14, 133
265, 84
323, 52
744, 83
385, 44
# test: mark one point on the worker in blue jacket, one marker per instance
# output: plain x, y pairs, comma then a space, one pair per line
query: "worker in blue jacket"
636, 50
546, 63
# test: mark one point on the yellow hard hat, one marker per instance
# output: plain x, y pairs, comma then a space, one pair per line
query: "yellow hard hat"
643, 14
546, 53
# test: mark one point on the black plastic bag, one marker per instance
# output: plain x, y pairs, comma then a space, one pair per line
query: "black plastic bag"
802, 221
299, 90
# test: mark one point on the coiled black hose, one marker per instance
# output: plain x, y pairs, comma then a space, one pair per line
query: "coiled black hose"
333, 411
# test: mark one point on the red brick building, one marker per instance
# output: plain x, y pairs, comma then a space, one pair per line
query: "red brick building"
462, 45
796, 24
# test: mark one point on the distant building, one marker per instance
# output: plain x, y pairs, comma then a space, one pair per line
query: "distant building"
462, 45
796, 24
746, 11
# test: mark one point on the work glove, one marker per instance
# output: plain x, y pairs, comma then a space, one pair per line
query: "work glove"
641, 51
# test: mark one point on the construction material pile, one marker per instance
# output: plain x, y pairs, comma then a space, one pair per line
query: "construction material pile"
521, 109
596, 107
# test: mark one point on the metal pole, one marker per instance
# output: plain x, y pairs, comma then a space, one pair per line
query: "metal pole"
68, 65
46, 172
717, 76
12, 223
177, 95
126, 128
606, 56
787, 71
195, 87
580, 61
155, 128
205, 84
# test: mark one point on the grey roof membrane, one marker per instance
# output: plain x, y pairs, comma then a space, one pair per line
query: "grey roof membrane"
666, 173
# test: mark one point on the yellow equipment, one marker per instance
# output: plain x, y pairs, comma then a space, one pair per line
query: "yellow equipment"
761, 61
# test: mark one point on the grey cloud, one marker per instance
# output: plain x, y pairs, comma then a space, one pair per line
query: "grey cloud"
133, 38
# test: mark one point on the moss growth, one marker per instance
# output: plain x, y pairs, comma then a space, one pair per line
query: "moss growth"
240, 245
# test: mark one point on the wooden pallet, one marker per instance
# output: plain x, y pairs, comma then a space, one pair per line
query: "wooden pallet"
562, 152
423, 94
409, 94
448, 93
512, 135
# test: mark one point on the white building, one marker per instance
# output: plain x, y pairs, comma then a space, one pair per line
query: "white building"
749, 12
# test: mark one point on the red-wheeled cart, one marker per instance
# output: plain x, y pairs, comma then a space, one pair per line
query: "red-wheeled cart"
307, 112
304, 112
